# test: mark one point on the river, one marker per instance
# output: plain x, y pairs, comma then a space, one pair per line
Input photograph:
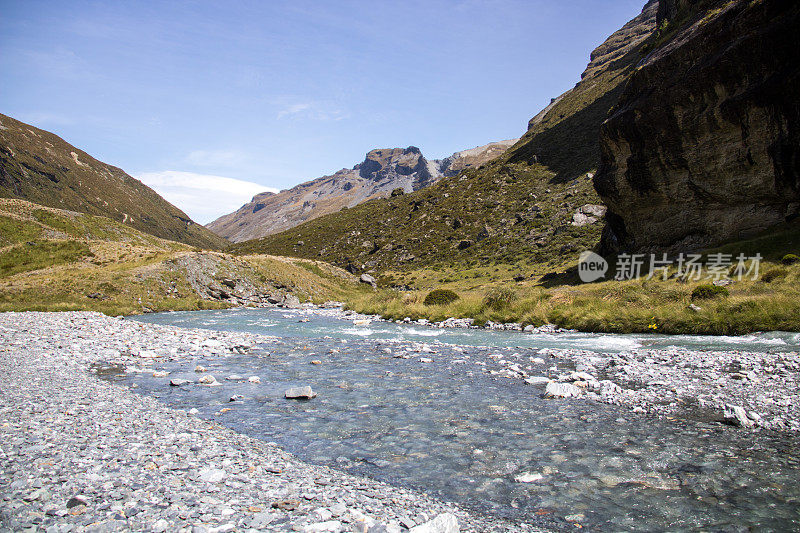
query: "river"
411, 405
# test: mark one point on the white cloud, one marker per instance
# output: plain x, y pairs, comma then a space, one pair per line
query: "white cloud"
201, 196
44, 119
293, 109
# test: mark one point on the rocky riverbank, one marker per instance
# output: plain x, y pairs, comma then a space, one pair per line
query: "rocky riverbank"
741, 388
80, 454
752, 390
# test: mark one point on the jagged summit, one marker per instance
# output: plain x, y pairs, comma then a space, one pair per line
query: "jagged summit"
382, 171
387, 163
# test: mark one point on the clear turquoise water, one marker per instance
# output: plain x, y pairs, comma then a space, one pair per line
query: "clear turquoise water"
286, 323
450, 429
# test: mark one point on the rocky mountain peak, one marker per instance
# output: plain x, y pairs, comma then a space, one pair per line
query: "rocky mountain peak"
382, 163
383, 170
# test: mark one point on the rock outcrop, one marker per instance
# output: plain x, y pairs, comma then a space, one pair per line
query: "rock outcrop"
704, 145
381, 172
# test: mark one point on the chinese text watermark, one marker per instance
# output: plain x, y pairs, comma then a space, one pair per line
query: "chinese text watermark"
688, 267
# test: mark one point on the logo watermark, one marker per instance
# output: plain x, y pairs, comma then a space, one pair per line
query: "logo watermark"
591, 267
688, 267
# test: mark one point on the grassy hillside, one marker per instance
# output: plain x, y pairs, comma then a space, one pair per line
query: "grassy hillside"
481, 217
52, 259
515, 210
39, 166
770, 302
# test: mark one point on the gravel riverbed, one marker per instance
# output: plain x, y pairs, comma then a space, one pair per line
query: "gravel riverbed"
754, 390
81, 454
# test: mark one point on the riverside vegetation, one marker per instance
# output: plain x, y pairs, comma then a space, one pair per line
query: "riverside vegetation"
520, 293
54, 259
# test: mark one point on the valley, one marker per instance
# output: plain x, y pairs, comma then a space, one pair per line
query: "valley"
592, 326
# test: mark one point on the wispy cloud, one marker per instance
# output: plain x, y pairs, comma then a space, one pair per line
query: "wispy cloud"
43, 119
203, 197
293, 109
313, 110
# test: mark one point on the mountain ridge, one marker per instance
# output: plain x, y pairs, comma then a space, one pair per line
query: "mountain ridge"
41, 167
382, 171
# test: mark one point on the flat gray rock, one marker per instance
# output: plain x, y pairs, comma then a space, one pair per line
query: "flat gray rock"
300, 393
537, 381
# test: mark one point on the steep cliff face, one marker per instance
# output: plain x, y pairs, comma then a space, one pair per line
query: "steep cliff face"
39, 166
381, 172
704, 144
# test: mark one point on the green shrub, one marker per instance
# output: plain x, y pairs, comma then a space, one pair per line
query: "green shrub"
790, 259
705, 292
771, 275
440, 297
499, 298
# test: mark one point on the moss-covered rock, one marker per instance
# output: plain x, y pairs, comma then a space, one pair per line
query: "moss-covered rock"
790, 259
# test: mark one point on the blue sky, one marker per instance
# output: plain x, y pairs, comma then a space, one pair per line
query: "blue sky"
274, 93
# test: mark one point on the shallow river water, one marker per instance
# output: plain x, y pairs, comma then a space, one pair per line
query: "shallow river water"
450, 429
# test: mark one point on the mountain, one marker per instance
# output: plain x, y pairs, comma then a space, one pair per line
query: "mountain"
41, 167
704, 144
534, 203
381, 172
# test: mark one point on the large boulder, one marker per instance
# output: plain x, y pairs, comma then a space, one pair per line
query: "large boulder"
290, 300
588, 214
443, 523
